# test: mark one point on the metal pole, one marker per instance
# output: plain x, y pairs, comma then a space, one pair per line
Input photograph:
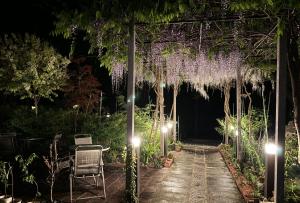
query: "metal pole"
238, 113
100, 107
166, 143
269, 176
280, 117
130, 107
138, 172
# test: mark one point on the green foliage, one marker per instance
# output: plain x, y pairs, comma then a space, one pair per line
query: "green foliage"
49, 122
5, 171
253, 167
26, 175
292, 167
112, 132
30, 68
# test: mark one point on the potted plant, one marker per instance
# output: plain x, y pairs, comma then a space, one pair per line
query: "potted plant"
178, 146
5, 172
169, 160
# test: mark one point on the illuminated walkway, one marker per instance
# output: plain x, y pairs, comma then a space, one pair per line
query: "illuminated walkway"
199, 174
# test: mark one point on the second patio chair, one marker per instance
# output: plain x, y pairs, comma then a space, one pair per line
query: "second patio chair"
88, 166
82, 139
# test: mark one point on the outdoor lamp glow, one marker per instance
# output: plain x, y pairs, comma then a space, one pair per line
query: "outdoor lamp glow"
271, 148
236, 133
136, 141
231, 127
170, 124
164, 129
107, 115
33, 107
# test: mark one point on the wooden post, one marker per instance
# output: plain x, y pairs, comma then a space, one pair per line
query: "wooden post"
130, 109
280, 117
238, 114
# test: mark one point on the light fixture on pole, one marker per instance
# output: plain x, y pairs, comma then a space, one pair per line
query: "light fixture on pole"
136, 142
271, 150
165, 130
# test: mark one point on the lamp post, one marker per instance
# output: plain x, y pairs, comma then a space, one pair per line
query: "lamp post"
136, 142
270, 150
164, 130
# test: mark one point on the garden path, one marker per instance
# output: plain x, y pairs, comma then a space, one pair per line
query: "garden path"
198, 175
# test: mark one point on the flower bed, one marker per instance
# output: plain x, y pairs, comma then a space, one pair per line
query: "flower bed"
243, 186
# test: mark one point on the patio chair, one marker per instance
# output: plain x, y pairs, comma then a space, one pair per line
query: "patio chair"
88, 167
82, 139
7, 145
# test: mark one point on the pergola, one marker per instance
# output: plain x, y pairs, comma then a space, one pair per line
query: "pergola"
280, 96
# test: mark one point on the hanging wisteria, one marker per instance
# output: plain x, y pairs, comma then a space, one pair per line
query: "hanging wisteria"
180, 66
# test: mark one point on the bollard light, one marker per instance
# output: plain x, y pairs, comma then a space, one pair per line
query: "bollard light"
136, 141
164, 129
271, 148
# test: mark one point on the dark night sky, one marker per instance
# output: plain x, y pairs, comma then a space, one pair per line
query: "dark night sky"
197, 116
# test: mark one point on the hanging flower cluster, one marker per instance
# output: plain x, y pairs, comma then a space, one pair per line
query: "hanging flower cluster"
180, 66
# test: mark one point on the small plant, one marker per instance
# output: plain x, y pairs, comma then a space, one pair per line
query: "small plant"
5, 171
170, 155
26, 175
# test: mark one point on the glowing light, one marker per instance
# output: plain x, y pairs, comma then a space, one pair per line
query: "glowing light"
107, 115
236, 133
170, 124
271, 148
136, 141
231, 127
33, 107
75, 106
164, 129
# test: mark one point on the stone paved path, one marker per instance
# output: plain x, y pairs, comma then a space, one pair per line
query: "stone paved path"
199, 174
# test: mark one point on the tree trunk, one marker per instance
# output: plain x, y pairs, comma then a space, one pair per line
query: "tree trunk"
249, 112
294, 72
36, 101
161, 110
226, 109
238, 113
175, 92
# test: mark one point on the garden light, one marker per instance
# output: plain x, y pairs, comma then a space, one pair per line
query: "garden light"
271, 148
170, 124
136, 141
75, 106
164, 129
107, 115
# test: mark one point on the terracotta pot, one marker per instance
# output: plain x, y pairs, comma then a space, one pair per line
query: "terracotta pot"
168, 162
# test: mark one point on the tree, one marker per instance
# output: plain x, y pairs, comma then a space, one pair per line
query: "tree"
82, 87
30, 68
